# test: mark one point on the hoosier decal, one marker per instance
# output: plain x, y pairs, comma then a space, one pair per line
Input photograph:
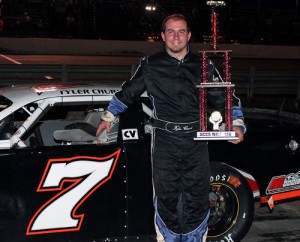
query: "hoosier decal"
284, 183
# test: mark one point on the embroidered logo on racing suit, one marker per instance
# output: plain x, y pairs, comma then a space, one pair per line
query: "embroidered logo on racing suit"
184, 128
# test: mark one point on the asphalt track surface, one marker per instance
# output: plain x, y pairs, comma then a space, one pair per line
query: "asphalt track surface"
282, 225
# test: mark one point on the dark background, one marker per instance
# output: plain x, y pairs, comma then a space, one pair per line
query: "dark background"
271, 22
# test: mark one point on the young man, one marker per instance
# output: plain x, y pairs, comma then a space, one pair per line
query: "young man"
180, 165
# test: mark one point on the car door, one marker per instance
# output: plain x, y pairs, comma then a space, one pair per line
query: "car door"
66, 190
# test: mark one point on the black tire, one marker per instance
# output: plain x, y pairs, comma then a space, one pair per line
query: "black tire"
231, 204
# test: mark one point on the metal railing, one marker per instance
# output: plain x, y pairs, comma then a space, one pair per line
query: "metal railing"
249, 83
21, 74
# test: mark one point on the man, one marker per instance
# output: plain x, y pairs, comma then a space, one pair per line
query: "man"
180, 165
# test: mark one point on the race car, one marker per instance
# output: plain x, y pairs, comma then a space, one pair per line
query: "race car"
60, 182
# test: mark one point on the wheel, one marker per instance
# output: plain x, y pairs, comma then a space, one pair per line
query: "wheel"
231, 204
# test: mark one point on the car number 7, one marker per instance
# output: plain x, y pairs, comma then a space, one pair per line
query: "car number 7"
85, 175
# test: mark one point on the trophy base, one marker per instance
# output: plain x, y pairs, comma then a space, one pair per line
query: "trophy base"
216, 135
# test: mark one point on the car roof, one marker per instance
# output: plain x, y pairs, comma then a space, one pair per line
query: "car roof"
34, 92
21, 95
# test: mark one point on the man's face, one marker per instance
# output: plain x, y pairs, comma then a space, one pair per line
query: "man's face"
176, 37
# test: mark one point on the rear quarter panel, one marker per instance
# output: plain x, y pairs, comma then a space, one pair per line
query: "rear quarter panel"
264, 153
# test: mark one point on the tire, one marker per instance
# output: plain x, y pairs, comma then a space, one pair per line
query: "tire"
231, 204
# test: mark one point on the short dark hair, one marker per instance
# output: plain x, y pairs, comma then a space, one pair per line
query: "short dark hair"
175, 17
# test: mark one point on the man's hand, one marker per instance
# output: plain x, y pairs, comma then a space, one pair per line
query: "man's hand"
102, 126
239, 134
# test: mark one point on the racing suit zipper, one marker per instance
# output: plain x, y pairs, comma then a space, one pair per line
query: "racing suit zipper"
180, 62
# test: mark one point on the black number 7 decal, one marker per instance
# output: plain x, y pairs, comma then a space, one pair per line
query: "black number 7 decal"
85, 174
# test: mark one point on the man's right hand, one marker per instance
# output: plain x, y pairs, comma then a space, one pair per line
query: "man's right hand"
102, 126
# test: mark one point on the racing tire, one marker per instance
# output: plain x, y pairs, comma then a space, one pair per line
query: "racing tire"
231, 204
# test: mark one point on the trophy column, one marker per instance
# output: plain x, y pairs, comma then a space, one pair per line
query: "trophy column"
219, 131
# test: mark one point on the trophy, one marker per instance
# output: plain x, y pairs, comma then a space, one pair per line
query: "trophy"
221, 126
220, 130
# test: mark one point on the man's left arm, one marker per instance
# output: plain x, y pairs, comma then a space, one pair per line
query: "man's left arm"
238, 124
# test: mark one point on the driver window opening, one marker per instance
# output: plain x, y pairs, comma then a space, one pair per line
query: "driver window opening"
61, 125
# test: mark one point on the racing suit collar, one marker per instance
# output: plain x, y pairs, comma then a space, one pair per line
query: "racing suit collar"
175, 59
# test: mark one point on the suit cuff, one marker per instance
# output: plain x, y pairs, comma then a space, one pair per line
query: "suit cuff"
240, 123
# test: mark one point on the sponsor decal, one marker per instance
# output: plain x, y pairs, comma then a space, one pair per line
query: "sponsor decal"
73, 180
130, 134
284, 183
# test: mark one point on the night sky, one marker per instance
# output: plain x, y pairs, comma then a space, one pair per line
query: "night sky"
240, 21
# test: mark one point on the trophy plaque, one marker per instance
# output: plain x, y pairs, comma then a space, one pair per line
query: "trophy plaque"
219, 127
